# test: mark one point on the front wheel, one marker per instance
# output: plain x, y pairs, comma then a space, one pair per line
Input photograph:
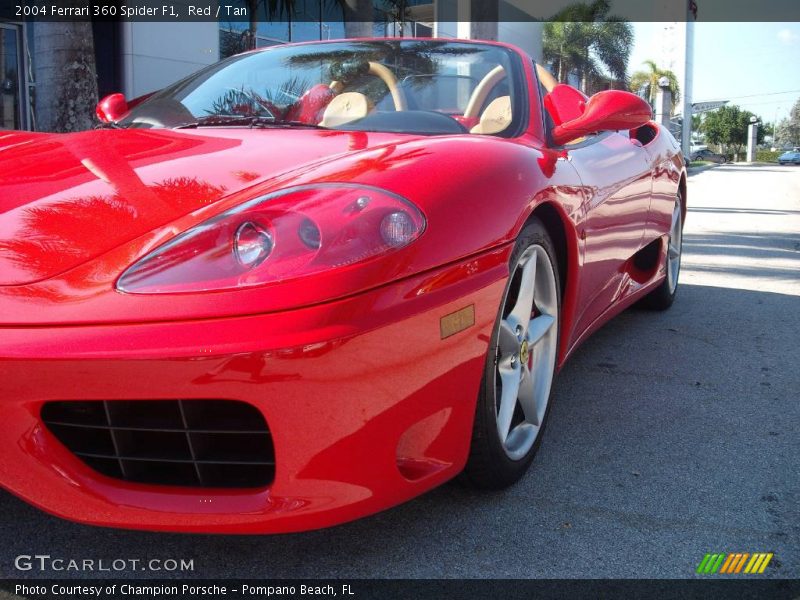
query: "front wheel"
520, 366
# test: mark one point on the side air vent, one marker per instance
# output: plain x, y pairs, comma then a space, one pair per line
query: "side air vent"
195, 443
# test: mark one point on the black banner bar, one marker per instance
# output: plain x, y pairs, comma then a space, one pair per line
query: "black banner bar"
240, 11
401, 589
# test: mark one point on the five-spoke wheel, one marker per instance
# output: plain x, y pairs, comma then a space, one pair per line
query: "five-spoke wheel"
513, 404
526, 351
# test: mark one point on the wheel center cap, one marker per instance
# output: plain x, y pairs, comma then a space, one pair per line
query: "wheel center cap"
523, 352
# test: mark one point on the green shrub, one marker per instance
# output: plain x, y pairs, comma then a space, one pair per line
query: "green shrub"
767, 155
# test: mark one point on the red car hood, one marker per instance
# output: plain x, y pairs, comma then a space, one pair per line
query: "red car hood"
65, 199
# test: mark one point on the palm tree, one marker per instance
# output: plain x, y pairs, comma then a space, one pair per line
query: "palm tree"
648, 81
584, 40
66, 75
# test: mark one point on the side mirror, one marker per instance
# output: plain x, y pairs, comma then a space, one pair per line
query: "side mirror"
610, 110
112, 108
565, 103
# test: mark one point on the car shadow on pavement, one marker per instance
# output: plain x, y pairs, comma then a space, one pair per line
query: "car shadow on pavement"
768, 260
671, 434
760, 257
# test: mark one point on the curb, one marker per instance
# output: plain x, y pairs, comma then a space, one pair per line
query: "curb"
695, 170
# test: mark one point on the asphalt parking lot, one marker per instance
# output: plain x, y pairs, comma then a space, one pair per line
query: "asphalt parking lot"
672, 435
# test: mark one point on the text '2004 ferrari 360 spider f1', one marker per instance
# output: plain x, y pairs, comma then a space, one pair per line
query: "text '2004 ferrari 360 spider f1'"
310, 282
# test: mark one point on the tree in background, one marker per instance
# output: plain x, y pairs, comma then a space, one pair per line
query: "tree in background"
769, 132
650, 79
727, 127
584, 40
787, 132
65, 74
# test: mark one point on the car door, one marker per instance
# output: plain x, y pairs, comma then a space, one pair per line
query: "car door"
617, 184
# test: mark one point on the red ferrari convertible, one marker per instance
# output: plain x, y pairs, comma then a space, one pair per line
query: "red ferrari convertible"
311, 282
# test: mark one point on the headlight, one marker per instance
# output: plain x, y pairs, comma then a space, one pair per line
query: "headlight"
281, 236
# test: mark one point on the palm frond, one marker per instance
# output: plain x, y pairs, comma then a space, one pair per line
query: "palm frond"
583, 39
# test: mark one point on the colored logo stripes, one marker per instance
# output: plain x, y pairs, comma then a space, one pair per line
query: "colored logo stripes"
734, 562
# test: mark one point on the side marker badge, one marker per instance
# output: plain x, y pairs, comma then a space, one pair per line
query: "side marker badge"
458, 321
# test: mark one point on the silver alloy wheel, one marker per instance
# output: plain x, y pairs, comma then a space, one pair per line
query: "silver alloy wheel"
526, 351
674, 247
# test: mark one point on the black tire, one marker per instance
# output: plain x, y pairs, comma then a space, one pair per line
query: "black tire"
488, 465
664, 295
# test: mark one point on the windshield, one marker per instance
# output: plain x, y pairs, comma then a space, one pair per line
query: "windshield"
387, 85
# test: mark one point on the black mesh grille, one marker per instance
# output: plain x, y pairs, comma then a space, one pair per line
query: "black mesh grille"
197, 443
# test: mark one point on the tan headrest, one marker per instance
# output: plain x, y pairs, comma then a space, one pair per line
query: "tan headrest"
496, 117
345, 108
546, 78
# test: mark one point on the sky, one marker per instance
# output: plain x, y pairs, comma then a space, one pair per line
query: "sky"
754, 65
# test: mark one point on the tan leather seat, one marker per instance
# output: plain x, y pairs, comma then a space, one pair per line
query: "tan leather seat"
495, 117
345, 108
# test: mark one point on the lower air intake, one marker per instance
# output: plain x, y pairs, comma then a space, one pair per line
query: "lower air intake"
193, 443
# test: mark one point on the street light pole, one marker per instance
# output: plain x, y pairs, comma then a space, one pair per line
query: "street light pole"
686, 129
752, 139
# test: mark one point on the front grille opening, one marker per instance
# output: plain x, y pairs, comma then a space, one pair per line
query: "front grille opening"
191, 443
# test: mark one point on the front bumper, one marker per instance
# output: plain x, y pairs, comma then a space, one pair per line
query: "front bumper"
367, 405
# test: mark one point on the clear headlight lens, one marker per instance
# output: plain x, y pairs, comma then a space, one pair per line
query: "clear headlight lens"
281, 236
